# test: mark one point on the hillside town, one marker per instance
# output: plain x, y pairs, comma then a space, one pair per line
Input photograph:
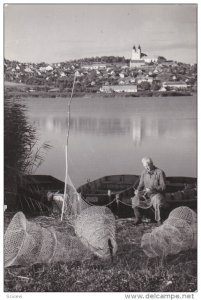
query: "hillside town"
108, 75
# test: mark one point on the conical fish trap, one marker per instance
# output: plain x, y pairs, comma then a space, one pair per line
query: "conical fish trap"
165, 240
184, 213
27, 243
172, 239
14, 238
161, 241
185, 230
95, 226
175, 235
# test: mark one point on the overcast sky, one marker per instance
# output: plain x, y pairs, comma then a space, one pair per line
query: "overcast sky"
55, 33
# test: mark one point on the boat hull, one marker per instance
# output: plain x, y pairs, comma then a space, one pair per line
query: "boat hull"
116, 191
113, 191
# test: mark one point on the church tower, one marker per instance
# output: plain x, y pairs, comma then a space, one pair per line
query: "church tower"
136, 54
137, 59
139, 52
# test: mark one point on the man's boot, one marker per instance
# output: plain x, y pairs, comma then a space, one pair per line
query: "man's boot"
138, 217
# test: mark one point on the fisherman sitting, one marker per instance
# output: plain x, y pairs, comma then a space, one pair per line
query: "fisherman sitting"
150, 191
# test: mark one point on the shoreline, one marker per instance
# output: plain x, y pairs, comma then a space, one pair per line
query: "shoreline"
43, 94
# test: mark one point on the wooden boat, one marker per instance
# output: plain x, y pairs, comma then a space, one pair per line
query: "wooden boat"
114, 191
32, 193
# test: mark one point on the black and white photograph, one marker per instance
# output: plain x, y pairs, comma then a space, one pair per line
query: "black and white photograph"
100, 114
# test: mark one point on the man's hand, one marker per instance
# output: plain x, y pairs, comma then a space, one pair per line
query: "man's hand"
148, 190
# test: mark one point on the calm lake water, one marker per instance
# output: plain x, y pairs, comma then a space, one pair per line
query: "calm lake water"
110, 136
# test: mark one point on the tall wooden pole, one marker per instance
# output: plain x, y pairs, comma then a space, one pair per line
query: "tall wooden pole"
66, 150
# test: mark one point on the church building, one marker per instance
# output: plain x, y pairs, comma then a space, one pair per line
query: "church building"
137, 59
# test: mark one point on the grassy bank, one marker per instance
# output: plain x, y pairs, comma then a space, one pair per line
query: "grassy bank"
41, 94
131, 270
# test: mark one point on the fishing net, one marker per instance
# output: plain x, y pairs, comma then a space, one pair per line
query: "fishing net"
161, 241
95, 226
178, 233
27, 242
185, 230
184, 213
70, 203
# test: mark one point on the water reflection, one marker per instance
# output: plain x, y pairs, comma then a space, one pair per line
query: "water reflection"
111, 137
87, 125
138, 128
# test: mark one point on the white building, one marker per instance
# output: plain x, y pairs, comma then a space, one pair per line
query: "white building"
49, 68
119, 88
28, 70
175, 85
150, 59
95, 66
